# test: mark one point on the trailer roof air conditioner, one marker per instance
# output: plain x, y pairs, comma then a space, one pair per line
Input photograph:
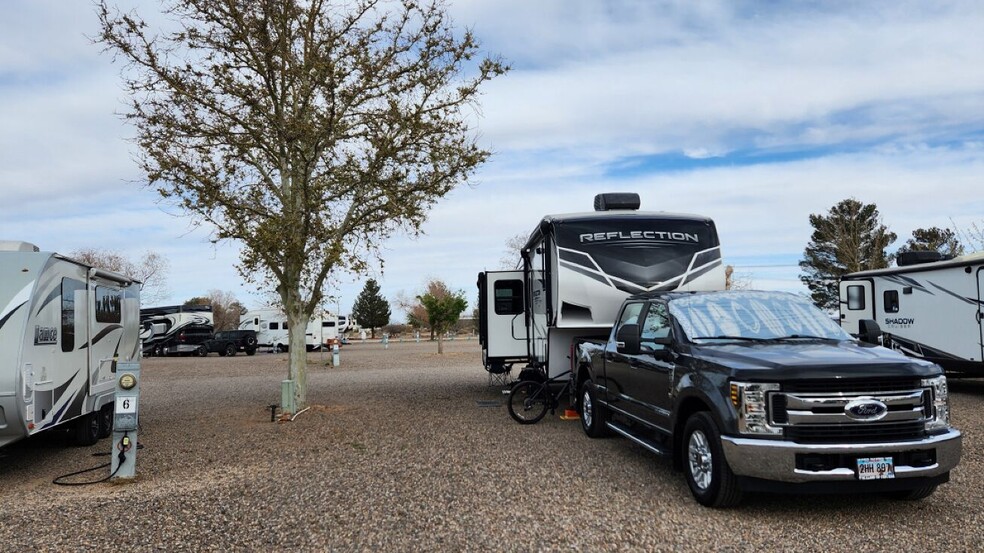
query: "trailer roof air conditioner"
616, 200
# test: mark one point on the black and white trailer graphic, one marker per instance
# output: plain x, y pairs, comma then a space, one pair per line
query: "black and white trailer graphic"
176, 329
577, 268
928, 310
64, 326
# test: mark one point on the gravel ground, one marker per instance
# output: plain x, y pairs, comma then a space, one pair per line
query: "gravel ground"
404, 449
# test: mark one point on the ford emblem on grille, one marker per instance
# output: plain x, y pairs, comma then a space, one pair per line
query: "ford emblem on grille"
866, 409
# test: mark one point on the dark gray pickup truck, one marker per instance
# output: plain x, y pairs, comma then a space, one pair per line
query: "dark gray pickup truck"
761, 391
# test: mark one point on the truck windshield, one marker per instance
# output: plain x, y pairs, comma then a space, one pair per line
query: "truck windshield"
753, 317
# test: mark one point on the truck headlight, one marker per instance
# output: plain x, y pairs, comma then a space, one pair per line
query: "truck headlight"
750, 400
940, 417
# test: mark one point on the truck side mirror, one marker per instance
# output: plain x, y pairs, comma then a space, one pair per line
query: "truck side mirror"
869, 332
627, 339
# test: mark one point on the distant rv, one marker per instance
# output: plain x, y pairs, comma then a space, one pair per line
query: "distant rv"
270, 324
64, 327
176, 329
927, 307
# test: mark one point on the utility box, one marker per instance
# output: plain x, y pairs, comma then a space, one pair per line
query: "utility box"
126, 421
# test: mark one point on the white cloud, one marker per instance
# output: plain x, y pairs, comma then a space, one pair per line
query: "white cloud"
884, 101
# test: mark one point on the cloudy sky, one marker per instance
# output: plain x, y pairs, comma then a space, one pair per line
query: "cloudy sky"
756, 114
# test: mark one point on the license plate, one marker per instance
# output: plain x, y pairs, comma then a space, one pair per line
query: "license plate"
876, 468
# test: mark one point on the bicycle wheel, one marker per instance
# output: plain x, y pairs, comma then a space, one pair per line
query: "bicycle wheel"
528, 402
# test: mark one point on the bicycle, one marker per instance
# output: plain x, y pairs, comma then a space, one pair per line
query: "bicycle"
530, 399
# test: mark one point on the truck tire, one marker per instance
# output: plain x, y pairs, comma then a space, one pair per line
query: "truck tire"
251, 350
708, 475
594, 415
202, 351
85, 430
230, 350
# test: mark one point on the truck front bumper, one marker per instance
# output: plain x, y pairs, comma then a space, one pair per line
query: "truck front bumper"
778, 460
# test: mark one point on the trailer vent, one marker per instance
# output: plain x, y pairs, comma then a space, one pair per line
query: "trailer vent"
616, 200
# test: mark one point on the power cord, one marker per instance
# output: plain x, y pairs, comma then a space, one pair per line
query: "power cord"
124, 446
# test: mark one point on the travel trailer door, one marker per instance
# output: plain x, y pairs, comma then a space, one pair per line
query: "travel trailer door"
856, 303
106, 332
502, 328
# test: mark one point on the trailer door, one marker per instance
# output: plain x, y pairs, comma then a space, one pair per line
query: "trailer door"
502, 327
106, 329
856, 303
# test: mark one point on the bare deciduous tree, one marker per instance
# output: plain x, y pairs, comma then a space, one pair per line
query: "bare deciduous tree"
307, 130
151, 270
226, 309
511, 255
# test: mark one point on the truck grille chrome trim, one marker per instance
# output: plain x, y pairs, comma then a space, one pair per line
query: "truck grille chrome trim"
832, 417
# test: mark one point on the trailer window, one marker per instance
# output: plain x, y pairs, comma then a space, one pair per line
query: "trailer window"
109, 305
891, 301
855, 298
68, 289
508, 297
274, 326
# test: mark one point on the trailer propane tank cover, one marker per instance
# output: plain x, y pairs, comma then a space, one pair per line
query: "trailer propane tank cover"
125, 421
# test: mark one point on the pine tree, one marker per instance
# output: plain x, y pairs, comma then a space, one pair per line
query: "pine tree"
371, 309
851, 237
932, 239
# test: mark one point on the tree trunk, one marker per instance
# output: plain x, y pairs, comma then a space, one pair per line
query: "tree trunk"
440, 344
297, 368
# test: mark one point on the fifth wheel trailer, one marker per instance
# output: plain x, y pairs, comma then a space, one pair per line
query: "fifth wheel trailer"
929, 310
575, 270
64, 326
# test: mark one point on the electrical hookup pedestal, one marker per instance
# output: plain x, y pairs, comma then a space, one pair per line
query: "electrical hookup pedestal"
125, 422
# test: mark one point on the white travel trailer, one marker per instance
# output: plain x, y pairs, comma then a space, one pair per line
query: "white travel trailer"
576, 270
931, 310
64, 326
270, 324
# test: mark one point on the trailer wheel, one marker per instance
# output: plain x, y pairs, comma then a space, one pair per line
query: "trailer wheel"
281, 348
106, 421
230, 350
86, 429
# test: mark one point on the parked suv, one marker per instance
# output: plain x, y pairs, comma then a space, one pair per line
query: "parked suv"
228, 342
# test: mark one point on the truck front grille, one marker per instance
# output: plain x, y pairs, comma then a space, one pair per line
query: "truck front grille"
809, 416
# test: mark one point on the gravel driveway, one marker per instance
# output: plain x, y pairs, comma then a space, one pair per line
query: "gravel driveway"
404, 449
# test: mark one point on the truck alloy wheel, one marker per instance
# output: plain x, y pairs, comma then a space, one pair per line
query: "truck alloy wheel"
710, 478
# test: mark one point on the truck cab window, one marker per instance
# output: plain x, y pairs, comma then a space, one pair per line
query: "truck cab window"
656, 325
630, 315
